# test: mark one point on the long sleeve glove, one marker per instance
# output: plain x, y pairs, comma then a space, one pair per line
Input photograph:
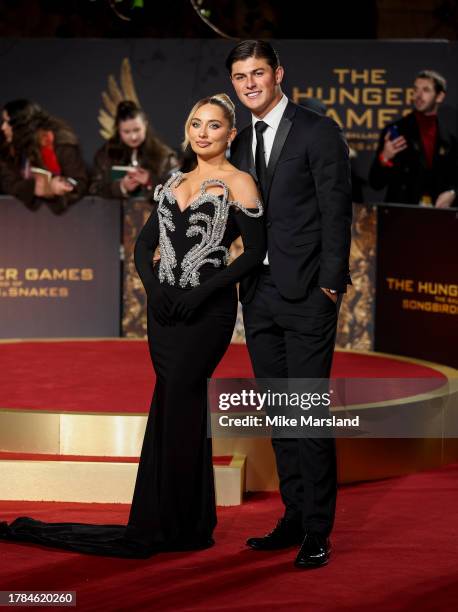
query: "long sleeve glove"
254, 243
145, 246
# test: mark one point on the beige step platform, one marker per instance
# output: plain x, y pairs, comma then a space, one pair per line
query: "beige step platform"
73, 478
104, 438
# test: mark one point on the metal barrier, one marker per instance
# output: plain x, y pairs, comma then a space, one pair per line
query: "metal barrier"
60, 275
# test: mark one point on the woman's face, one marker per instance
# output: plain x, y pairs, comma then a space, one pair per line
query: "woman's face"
133, 132
6, 127
209, 132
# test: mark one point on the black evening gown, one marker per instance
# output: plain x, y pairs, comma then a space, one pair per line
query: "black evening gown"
192, 306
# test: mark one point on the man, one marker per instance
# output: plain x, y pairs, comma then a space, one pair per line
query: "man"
417, 158
301, 163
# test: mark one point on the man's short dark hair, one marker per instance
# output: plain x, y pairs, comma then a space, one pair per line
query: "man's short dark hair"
440, 84
260, 49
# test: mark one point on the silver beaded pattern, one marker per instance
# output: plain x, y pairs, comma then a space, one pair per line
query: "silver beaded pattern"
168, 259
210, 228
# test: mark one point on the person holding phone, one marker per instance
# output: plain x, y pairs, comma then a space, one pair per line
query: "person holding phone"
417, 157
133, 160
41, 158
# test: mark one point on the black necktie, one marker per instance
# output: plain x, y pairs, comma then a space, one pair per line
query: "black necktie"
260, 157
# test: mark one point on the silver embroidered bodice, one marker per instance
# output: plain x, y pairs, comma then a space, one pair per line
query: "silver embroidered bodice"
199, 237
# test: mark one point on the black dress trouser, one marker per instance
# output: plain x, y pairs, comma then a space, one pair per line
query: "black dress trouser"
295, 339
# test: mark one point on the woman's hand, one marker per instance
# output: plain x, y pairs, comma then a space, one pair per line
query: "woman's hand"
129, 183
161, 308
142, 176
160, 302
184, 306
42, 186
59, 186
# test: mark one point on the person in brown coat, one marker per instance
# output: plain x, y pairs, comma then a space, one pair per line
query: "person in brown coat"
133, 146
41, 158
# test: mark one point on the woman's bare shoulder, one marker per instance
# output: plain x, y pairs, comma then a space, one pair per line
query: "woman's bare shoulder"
243, 189
240, 178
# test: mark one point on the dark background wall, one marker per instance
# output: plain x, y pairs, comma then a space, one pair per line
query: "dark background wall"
62, 277
354, 19
178, 18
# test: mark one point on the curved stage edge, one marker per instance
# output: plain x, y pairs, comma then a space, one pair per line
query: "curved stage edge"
59, 439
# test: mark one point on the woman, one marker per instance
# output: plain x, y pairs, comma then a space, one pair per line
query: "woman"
133, 146
41, 158
192, 305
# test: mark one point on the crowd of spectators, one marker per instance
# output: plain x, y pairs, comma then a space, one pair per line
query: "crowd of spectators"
416, 161
41, 160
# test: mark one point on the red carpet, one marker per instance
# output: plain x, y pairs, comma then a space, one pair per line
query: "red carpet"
395, 548
15, 456
117, 376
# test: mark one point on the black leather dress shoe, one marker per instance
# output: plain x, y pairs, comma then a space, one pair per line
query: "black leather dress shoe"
285, 534
314, 552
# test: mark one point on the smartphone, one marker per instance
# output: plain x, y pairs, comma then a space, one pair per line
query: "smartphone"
393, 131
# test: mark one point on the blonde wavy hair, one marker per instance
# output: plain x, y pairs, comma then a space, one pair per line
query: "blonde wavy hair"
222, 100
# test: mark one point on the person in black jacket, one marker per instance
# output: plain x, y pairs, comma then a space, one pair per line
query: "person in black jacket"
41, 158
133, 145
301, 162
417, 157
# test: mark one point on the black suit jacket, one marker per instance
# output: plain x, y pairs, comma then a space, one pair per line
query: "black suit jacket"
410, 178
308, 203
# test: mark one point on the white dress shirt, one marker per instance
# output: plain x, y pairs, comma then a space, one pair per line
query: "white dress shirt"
272, 119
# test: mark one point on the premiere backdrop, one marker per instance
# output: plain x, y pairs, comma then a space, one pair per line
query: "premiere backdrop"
59, 275
417, 283
364, 85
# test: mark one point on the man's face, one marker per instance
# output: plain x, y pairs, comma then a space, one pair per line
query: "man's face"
425, 98
257, 85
